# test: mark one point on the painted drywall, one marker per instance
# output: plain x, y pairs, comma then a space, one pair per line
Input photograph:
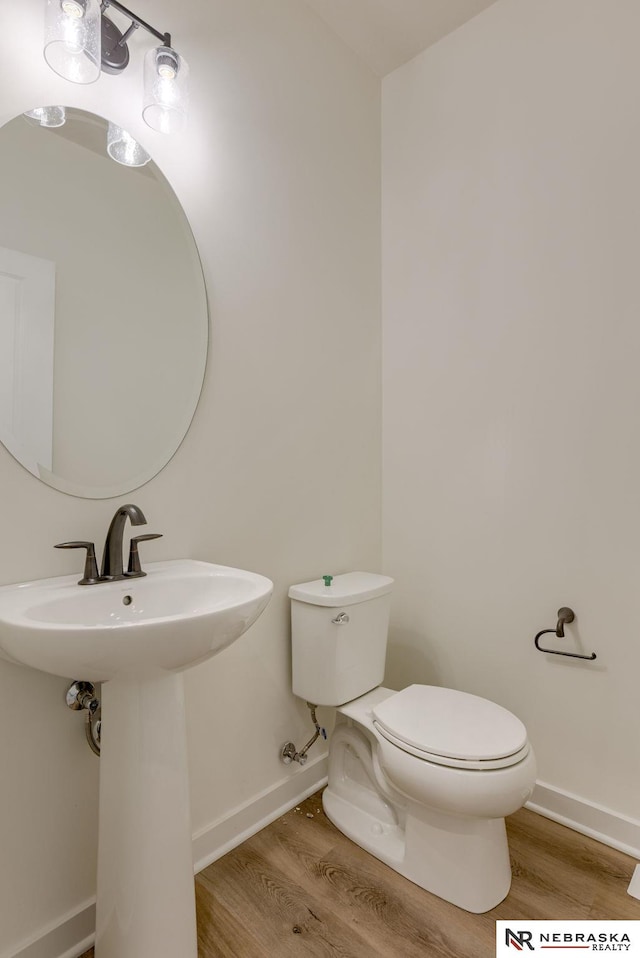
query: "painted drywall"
511, 340
387, 33
279, 176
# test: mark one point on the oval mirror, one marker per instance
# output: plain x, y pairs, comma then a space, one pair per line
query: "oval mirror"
103, 309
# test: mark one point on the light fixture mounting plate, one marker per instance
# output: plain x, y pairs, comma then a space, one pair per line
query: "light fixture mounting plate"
115, 53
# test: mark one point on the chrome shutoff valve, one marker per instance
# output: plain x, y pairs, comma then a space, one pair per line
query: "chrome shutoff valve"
81, 695
289, 752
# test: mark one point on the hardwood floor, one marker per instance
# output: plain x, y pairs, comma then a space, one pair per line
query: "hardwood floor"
300, 888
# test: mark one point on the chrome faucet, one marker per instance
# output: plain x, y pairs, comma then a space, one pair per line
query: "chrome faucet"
112, 564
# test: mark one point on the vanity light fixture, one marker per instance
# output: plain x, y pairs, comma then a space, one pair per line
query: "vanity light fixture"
80, 41
72, 39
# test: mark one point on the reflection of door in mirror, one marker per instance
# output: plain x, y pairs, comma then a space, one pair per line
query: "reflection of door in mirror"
27, 302
130, 335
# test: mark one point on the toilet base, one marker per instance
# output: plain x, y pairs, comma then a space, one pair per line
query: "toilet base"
464, 861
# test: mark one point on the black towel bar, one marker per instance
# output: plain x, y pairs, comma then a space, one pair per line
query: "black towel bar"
564, 615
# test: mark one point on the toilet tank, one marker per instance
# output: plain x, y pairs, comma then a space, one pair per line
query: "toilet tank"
339, 636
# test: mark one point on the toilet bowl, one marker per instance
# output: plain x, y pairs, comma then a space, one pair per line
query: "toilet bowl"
421, 778
439, 825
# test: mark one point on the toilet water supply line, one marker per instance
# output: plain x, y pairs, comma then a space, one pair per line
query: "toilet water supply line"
81, 697
290, 754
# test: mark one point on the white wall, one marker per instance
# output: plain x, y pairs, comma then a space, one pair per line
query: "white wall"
279, 176
511, 231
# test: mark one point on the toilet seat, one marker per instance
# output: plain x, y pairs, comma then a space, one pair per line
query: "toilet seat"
451, 728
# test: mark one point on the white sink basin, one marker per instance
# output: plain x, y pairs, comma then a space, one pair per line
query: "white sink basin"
182, 612
136, 635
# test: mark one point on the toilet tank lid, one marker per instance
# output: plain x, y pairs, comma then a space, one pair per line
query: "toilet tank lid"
347, 589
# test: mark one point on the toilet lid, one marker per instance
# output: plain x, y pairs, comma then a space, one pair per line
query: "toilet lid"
450, 724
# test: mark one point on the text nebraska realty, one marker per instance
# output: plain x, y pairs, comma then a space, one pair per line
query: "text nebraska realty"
601, 941
595, 941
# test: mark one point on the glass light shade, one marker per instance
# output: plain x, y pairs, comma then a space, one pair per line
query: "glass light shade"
122, 147
51, 116
166, 90
72, 39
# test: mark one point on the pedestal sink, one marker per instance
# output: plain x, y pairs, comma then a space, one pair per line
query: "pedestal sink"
137, 636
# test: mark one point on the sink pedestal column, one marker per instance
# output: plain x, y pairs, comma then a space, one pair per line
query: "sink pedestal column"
146, 897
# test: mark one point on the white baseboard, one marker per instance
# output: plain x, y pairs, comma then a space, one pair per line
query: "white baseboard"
69, 937
226, 833
74, 934
603, 824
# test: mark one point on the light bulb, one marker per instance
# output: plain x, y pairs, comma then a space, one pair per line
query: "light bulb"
167, 63
74, 8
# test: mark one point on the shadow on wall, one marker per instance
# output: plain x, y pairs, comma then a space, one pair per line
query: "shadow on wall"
410, 661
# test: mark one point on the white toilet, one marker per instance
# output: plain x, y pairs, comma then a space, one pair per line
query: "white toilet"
421, 778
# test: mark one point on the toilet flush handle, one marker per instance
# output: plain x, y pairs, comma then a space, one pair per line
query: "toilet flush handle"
341, 619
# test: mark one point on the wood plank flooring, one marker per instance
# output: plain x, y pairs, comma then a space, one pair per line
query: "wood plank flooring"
300, 889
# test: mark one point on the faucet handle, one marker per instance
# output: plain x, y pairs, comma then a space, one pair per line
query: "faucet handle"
134, 569
90, 575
